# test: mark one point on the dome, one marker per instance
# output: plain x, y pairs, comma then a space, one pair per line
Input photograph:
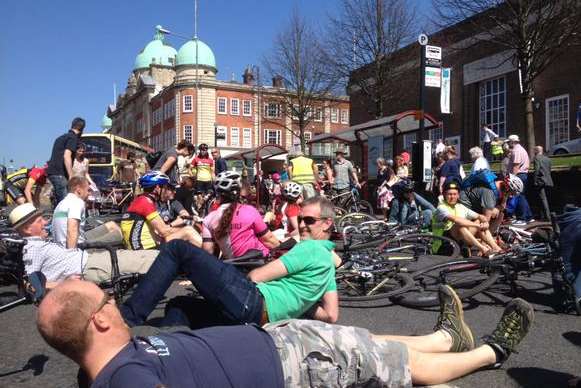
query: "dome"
187, 54
106, 122
155, 53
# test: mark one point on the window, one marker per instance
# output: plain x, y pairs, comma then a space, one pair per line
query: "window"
188, 104
234, 106
188, 133
272, 110
294, 112
272, 136
234, 137
169, 109
435, 134
157, 116
222, 109
344, 116
247, 108
318, 114
557, 120
308, 135
493, 105
408, 139
247, 138
334, 115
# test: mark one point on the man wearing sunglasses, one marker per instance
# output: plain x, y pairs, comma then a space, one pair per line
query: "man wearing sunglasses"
300, 283
80, 321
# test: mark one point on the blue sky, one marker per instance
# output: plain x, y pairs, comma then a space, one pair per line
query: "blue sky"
60, 58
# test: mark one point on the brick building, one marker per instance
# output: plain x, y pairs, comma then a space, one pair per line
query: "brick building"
173, 95
485, 89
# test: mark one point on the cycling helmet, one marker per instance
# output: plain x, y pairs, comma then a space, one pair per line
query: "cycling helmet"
153, 178
450, 184
292, 190
227, 181
514, 183
276, 177
389, 162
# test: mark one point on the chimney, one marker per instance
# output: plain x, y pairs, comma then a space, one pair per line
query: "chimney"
248, 77
277, 81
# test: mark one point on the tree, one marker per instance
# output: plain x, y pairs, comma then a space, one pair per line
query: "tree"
537, 31
298, 58
360, 40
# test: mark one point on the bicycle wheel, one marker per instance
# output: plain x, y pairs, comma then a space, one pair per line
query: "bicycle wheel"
363, 206
467, 277
354, 219
355, 286
421, 244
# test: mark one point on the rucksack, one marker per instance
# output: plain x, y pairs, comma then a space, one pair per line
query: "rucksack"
153, 157
481, 178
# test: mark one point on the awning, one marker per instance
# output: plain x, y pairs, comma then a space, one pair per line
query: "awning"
402, 122
263, 152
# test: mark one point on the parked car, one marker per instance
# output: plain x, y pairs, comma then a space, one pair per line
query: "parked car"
568, 147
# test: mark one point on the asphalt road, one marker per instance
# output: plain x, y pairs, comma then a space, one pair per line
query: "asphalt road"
549, 357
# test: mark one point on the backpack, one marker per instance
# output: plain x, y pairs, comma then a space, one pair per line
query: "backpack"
481, 178
153, 157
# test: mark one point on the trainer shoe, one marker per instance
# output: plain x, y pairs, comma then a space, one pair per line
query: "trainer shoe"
519, 223
511, 329
451, 320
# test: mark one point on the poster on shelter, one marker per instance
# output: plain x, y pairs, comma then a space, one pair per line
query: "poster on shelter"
374, 151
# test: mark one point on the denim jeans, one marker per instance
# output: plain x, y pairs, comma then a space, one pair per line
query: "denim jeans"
523, 210
403, 213
570, 243
59, 184
221, 284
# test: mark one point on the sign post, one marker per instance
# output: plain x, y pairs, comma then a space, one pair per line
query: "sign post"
423, 41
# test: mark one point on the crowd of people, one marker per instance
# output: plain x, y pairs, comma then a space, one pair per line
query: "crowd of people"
274, 326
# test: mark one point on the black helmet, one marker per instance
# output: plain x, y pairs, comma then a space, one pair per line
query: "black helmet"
451, 184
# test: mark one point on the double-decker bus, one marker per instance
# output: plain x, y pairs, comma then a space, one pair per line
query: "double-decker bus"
107, 153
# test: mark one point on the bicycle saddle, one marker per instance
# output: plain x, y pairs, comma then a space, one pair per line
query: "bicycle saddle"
252, 254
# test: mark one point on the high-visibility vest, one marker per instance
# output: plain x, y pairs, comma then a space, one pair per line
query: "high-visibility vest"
302, 170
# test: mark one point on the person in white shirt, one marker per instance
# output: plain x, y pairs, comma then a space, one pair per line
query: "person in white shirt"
479, 162
440, 147
68, 221
487, 136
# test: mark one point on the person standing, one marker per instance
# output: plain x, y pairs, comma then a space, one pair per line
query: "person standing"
60, 165
168, 163
451, 169
219, 162
542, 179
401, 169
440, 147
81, 165
304, 171
518, 165
479, 162
487, 136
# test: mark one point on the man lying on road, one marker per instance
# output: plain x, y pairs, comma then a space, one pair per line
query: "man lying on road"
79, 320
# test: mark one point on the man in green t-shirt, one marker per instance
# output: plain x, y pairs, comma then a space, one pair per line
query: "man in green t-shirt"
299, 284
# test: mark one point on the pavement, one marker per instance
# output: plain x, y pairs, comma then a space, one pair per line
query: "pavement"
549, 357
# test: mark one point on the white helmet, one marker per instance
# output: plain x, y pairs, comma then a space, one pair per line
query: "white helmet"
227, 181
292, 190
514, 184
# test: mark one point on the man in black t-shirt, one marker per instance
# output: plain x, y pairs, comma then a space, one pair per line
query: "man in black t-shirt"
79, 320
185, 194
60, 165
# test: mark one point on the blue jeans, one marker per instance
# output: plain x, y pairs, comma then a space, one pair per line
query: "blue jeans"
59, 184
523, 210
401, 212
570, 243
221, 284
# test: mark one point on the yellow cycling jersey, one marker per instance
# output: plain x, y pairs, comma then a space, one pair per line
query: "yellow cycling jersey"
137, 232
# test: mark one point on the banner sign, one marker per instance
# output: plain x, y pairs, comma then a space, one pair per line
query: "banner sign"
433, 77
445, 91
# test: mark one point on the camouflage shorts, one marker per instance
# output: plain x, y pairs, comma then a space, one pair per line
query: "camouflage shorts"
316, 354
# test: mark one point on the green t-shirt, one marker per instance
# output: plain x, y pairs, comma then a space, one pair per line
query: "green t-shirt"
311, 273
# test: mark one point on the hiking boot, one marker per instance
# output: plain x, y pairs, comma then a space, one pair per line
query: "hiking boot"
511, 329
451, 320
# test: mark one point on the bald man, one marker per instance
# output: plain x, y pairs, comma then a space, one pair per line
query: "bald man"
79, 320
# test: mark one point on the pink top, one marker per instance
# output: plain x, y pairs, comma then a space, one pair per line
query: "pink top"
247, 227
520, 158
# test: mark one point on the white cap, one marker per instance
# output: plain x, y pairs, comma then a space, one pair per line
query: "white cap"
514, 138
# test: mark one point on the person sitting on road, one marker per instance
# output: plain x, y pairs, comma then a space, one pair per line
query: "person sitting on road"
142, 225
68, 220
483, 193
452, 219
185, 194
58, 263
20, 183
82, 322
236, 228
301, 282
172, 211
408, 207
285, 216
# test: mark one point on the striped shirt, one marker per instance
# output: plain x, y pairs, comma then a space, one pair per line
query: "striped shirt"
53, 260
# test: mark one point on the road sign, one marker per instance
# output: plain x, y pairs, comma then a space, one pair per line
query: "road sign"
433, 77
423, 39
434, 52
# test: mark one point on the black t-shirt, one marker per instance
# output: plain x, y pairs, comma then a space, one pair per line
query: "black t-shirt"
56, 164
169, 211
451, 169
220, 165
228, 356
186, 198
172, 173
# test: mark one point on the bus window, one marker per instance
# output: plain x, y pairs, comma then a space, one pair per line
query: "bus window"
98, 149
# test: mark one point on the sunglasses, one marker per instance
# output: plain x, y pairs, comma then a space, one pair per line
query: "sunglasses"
108, 297
308, 220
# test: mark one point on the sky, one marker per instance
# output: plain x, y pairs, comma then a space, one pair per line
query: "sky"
59, 59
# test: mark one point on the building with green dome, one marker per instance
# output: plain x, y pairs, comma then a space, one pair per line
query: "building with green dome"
173, 95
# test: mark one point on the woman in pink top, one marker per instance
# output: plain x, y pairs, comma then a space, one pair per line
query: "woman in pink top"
235, 227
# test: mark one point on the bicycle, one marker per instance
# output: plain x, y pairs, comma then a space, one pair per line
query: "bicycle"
350, 200
117, 198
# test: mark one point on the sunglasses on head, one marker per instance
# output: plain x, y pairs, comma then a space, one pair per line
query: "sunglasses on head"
308, 220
